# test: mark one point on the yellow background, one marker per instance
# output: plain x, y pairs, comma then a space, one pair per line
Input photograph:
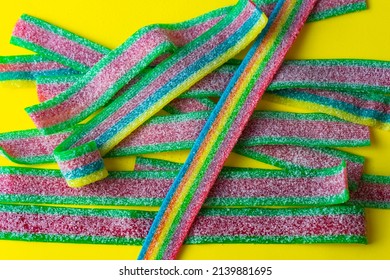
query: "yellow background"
359, 35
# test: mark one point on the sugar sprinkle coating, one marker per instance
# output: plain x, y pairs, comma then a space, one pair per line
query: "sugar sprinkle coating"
290, 156
337, 224
373, 192
235, 187
159, 86
178, 132
222, 130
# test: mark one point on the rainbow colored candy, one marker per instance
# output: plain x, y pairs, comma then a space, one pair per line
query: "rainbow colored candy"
234, 187
29, 67
289, 156
223, 129
323, 9
363, 108
80, 53
337, 224
79, 156
373, 192
171, 133
355, 75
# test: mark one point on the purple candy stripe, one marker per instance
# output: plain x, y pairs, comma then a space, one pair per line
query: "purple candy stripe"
178, 132
380, 107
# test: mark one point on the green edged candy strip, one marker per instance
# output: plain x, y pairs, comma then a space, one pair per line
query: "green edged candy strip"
337, 224
30, 67
290, 156
373, 192
234, 187
178, 132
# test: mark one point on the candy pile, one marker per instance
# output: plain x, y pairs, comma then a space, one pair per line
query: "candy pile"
187, 70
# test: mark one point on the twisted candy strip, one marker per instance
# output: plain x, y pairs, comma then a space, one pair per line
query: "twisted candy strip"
337, 224
223, 129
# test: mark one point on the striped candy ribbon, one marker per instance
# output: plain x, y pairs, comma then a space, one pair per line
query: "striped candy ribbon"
373, 192
29, 67
178, 132
222, 130
79, 156
337, 224
289, 156
234, 187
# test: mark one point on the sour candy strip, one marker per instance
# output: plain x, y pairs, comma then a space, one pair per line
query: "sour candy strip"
334, 74
346, 75
234, 187
323, 9
155, 90
56, 43
373, 192
81, 54
110, 73
30, 146
288, 156
29, 67
178, 132
362, 108
49, 87
222, 130
337, 224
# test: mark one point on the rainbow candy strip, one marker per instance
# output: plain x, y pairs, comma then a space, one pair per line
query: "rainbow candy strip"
79, 156
288, 156
367, 76
337, 224
30, 146
172, 133
234, 187
81, 54
110, 73
363, 108
29, 67
222, 130
373, 192
56, 43
323, 9
48, 88
346, 75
